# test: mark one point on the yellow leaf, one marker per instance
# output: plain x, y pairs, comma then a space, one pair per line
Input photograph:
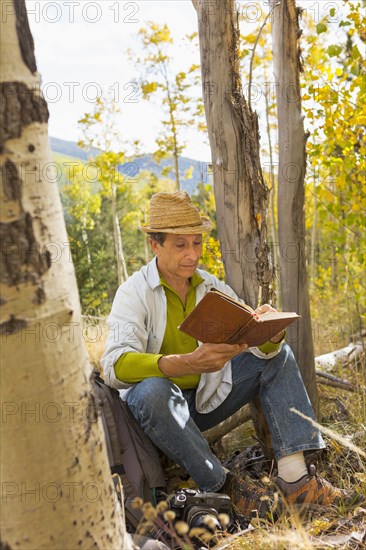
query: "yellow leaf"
319, 525
149, 87
361, 476
251, 38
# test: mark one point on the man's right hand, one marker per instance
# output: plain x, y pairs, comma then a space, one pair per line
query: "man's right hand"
205, 358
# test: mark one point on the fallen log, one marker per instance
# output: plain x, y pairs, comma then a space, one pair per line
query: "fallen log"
333, 384
217, 432
339, 357
333, 381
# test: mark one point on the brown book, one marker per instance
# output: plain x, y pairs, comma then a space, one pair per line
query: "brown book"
218, 319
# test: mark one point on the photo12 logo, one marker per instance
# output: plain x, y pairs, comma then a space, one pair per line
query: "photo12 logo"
73, 11
51, 491
90, 92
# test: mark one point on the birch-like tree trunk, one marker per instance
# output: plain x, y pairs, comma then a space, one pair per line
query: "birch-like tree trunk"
56, 485
292, 167
273, 193
122, 274
240, 191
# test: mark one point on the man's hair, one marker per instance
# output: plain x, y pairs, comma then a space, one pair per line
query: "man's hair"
158, 237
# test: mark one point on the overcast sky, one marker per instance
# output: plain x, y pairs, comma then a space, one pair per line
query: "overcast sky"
81, 48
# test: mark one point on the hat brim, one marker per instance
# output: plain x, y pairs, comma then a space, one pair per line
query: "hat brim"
204, 227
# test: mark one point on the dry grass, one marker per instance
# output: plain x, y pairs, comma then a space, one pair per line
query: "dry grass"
344, 415
95, 333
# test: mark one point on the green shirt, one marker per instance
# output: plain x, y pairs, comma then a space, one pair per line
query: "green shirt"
132, 367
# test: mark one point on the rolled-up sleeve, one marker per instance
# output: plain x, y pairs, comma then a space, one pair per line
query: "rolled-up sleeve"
133, 367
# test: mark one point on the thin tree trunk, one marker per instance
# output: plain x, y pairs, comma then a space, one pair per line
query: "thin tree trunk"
272, 217
241, 194
292, 166
174, 131
176, 167
175, 146
56, 484
122, 274
313, 256
240, 191
85, 239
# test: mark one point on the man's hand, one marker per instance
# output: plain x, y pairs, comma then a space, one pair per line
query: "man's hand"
212, 357
264, 309
205, 358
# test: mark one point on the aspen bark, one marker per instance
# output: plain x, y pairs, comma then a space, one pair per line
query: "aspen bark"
292, 167
240, 191
56, 484
241, 194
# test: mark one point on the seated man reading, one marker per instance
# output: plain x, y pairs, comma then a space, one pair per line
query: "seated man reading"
178, 388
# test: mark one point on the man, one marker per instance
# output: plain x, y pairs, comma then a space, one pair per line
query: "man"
178, 388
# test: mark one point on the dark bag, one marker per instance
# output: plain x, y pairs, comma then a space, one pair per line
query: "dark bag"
131, 453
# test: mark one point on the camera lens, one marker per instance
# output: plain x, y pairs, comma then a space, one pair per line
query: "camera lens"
198, 516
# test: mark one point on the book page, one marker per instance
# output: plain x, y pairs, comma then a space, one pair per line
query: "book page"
232, 300
273, 315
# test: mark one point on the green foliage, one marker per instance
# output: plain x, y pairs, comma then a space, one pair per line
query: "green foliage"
333, 96
83, 205
321, 27
204, 200
335, 106
83, 208
101, 134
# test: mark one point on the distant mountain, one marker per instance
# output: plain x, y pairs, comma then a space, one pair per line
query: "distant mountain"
200, 170
69, 149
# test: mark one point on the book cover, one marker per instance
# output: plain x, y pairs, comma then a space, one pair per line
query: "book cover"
218, 319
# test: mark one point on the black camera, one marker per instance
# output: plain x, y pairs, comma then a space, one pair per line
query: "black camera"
203, 511
200, 509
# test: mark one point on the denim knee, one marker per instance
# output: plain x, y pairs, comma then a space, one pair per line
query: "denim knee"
286, 353
287, 356
151, 396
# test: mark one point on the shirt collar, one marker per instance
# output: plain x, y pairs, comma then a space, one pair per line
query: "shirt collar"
194, 281
155, 279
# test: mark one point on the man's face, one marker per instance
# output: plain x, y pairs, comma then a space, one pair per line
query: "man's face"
179, 255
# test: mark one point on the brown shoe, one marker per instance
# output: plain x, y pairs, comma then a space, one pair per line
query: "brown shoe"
312, 490
250, 499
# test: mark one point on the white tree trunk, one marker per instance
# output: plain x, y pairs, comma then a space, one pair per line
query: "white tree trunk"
272, 179
122, 274
56, 485
292, 166
240, 190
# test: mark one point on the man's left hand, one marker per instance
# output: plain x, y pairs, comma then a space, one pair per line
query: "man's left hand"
263, 309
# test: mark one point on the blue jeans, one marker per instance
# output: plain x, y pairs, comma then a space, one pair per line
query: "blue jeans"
169, 417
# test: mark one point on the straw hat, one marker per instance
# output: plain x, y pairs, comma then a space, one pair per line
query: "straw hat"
175, 213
